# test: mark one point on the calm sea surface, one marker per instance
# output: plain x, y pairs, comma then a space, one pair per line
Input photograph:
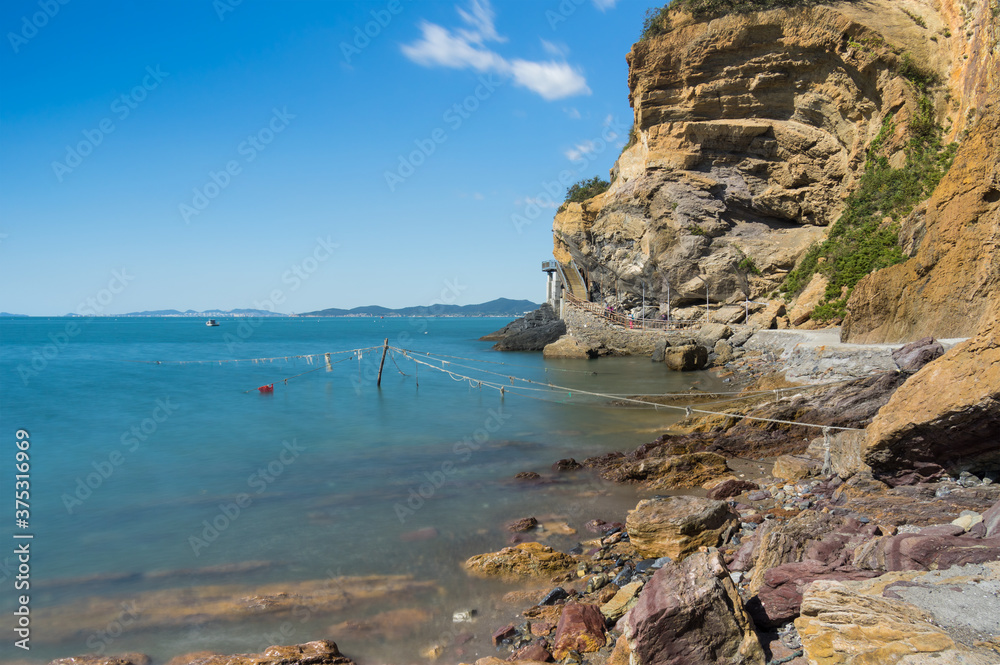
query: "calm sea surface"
157, 477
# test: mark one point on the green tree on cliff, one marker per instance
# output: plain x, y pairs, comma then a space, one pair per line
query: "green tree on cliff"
586, 189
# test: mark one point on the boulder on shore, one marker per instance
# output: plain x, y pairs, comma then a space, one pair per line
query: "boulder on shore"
690, 612
685, 358
676, 526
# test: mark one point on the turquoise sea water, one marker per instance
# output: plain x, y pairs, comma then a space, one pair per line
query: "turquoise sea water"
132, 462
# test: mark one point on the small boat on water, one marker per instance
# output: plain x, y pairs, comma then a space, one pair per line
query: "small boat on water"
211, 323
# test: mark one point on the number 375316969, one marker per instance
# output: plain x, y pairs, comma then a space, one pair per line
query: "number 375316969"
22, 480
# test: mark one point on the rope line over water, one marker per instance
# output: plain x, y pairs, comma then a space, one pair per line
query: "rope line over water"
509, 383
687, 409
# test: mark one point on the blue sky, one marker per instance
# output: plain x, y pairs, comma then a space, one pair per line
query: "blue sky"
297, 155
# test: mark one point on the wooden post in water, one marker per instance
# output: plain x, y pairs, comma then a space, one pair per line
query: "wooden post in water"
385, 349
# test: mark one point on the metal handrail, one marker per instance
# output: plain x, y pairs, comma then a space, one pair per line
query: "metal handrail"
627, 321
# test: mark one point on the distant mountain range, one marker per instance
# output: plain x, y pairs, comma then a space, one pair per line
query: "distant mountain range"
498, 307
209, 313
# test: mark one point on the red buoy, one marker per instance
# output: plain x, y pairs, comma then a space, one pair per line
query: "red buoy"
267, 389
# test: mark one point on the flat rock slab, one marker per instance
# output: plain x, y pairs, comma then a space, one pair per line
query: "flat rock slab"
524, 560
915, 618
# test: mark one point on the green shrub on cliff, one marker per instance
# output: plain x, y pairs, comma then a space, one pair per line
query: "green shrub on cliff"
866, 237
586, 189
658, 20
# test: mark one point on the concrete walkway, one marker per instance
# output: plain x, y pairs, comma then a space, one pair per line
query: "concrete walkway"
818, 356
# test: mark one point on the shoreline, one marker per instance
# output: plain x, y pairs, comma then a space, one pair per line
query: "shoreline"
532, 621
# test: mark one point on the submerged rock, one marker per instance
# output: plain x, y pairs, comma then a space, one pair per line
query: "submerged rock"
320, 652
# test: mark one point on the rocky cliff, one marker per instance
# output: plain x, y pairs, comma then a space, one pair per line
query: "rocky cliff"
951, 284
750, 130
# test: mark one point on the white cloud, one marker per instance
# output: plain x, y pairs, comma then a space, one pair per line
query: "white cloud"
552, 48
438, 46
580, 149
480, 17
478, 196
464, 48
551, 80
605, 5
573, 112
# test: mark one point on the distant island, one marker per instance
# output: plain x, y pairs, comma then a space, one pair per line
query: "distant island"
498, 307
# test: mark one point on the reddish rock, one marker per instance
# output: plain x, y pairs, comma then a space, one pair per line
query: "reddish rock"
581, 628
730, 488
541, 628
991, 521
535, 651
690, 612
598, 526
780, 599
522, 525
527, 475
918, 551
505, 633
913, 356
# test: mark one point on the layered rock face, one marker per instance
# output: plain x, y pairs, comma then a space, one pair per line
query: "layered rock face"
749, 132
951, 285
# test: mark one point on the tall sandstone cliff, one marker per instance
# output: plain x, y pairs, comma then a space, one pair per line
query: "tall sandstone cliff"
750, 131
